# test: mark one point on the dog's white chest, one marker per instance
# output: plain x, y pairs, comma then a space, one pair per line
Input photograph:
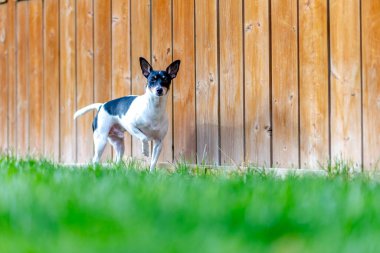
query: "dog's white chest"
154, 131
150, 119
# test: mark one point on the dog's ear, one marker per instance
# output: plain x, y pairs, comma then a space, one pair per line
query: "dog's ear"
145, 67
173, 68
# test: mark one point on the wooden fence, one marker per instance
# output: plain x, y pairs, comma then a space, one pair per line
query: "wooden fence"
282, 83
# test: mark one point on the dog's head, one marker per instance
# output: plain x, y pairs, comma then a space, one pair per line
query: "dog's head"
159, 81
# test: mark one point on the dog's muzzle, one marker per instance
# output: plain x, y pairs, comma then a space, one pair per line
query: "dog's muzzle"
160, 91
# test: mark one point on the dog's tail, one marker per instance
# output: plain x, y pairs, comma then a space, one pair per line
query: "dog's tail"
82, 111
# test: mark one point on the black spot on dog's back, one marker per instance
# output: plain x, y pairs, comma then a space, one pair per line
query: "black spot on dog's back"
119, 106
95, 121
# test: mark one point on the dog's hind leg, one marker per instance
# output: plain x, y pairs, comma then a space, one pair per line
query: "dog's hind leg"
118, 145
100, 142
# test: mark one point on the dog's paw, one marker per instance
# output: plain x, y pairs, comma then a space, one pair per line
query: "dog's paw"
145, 148
145, 153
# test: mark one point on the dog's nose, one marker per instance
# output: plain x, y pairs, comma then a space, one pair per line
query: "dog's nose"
160, 91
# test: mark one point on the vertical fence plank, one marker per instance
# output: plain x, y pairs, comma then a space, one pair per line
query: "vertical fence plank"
11, 47
3, 79
371, 83
102, 47
231, 82
345, 80
67, 81
51, 79
184, 85
35, 73
313, 55
140, 47
85, 77
121, 53
22, 78
257, 86
285, 83
207, 81
161, 58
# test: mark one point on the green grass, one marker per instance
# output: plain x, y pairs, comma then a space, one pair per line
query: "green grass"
50, 208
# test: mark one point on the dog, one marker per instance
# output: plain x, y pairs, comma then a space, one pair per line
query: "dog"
144, 117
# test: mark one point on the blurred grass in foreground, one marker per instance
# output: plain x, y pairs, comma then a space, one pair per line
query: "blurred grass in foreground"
45, 207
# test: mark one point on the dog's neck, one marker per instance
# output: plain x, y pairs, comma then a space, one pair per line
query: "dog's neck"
157, 104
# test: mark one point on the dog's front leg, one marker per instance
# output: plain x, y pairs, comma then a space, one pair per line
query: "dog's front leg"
145, 148
138, 134
135, 131
155, 154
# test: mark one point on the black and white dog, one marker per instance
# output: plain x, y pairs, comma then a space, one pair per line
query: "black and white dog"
142, 116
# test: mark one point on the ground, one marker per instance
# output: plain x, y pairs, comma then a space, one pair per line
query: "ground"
45, 207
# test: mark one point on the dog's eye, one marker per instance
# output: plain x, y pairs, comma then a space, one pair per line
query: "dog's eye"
154, 78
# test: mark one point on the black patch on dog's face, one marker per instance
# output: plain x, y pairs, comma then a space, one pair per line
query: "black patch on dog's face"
159, 78
119, 106
95, 121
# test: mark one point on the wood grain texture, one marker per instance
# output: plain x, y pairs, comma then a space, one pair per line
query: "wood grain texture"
257, 82
371, 83
184, 125
314, 97
102, 60
121, 56
85, 78
231, 82
345, 81
11, 48
51, 80
140, 47
207, 81
285, 83
3, 79
35, 73
161, 58
22, 100
67, 81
